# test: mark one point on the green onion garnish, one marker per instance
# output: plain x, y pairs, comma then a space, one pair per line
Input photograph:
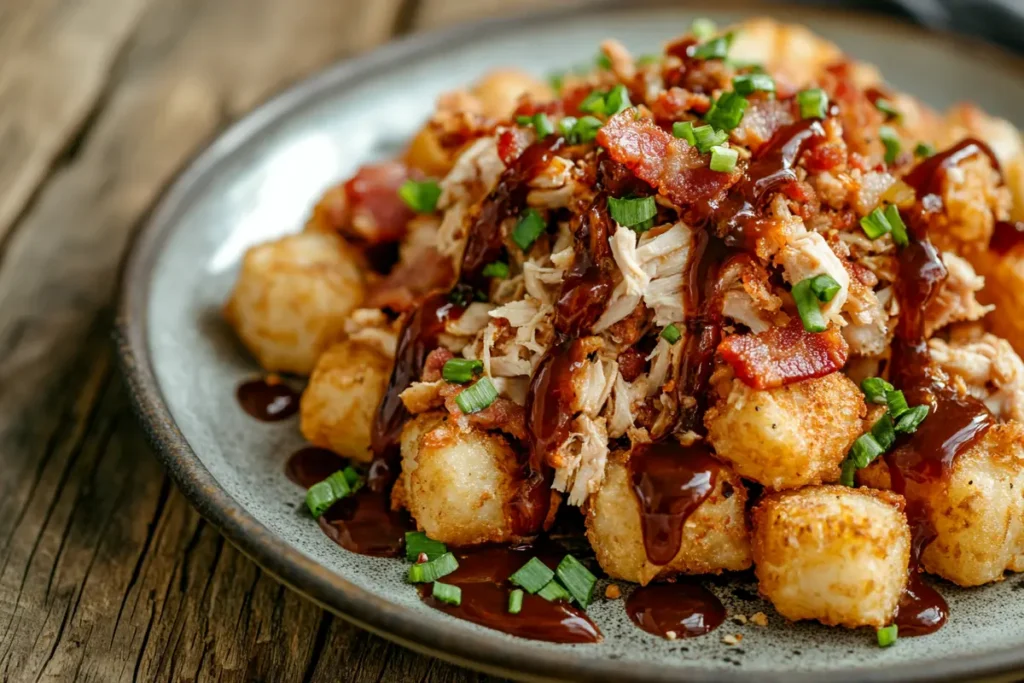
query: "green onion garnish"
875, 388
864, 450
723, 159
892, 143
553, 591
911, 420
846, 478
703, 28
531, 224
542, 124
416, 542
875, 224
684, 130
426, 572
420, 196
727, 111
897, 403
326, 493
497, 269
748, 84
716, 48
888, 635
884, 432
647, 60
628, 212
354, 479
706, 137
808, 308
593, 103
515, 601
477, 397
461, 370
813, 103
565, 126
447, 593
585, 129
824, 287
577, 579
603, 62
924, 150
886, 107
617, 100
532, 576
671, 334
899, 228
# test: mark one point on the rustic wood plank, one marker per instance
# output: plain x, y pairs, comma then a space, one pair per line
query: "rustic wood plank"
438, 13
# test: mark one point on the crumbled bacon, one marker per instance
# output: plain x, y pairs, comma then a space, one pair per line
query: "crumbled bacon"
676, 169
376, 214
511, 143
410, 281
673, 104
784, 355
632, 363
504, 414
434, 363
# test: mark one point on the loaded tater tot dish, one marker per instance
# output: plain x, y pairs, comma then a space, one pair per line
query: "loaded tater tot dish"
734, 305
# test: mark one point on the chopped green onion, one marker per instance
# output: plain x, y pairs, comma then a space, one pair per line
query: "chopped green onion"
353, 478
497, 269
557, 80
565, 127
326, 493
420, 196
671, 334
641, 228
891, 140
808, 308
703, 28
477, 397
617, 100
884, 432
628, 212
684, 130
532, 576
924, 150
899, 228
824, 287
416, 542
748, 84
707, 137
647, 60
864, 450
461, 370
603, 62
542, 124
531, 224
553, 591
577, 579
427, 572
888, 635
515, 601
846, 478
585, 130
716, 48
888, 108
875, 388
911, 420
813, 103
723, 159
875, 224
447, 593
897, 403
727, 111
593, 103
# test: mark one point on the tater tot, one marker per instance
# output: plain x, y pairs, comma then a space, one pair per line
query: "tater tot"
500, 90
340, 402
715, 536
292, 297
1004, 281
832, 553
789, 436
977, 513
458, 485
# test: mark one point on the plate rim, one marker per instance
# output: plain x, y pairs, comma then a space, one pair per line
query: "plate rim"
484, 651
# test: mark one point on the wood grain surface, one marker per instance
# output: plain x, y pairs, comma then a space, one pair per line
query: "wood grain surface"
106, 572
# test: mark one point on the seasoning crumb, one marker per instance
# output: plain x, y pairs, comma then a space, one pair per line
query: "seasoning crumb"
759, 619
739, 618
671, 635
613, 592
273, 379
730, 639
421, 558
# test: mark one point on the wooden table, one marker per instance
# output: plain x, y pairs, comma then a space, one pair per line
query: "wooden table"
106, 572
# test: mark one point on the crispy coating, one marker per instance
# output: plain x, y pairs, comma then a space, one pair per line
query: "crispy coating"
1004, 282
499, 91
789, 436
292, 297
715, 536
832, 553
978, 514
458, 484
341, 399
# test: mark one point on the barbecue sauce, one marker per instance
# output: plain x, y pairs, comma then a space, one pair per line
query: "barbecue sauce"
1005, 236
684, 610
267, 401
926, 178
311, 465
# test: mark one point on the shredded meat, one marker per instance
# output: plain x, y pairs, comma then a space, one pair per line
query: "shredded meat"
784, 355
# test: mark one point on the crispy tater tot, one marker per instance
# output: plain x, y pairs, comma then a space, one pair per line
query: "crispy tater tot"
499, 91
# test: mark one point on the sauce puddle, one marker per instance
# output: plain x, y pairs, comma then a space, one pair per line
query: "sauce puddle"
684, 610
267, 402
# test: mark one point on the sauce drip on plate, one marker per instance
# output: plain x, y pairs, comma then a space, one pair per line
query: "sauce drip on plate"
267, 401
683, 609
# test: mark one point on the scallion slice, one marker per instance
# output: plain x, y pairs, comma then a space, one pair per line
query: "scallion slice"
532, 576
671, 334
715, 48
684, 130
461, 370
593, 103
824, 287
884, 432
542, 124
565, 128
420, 195
447, 593
426, 572
748, 84
813, 103
585, 129
617, 100
897, 403
531, 224
630, 211
864, 450
887, 107
924, 150
497, 269
707, 137
326, 493
888, 635
703, 28
577, 579
899, 229
891, 140
477, 397
553, 591
727, 111
416, 542
911, 420
875, 388
515, 601
875, 224
603, 62
848, 475
723, 159
808, 308
647, 60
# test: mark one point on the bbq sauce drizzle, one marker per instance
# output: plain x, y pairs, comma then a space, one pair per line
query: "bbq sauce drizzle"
267, 401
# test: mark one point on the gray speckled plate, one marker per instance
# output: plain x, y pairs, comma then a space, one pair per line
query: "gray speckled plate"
260, 179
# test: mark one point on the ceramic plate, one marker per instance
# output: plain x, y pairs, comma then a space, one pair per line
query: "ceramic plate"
260, 179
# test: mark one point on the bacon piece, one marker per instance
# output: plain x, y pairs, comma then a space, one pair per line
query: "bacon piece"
632, 363
375, 213
410, 280
504, 414
784, 355
675, 103
434, 363
672, 166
